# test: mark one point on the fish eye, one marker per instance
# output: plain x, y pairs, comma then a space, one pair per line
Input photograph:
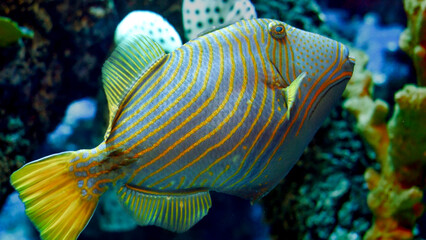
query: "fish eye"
277, 30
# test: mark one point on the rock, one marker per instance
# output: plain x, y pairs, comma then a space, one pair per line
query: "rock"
41, 76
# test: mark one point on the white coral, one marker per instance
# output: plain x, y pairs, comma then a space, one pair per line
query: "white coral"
149, 24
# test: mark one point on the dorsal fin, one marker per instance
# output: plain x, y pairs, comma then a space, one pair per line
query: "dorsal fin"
214, 28
129, 61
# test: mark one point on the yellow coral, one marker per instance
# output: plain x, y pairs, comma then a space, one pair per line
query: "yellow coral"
407, 133
370, 114
395, 196
395, 208
413, 39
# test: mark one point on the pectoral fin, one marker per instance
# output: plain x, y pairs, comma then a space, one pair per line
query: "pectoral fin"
289, 93
174, 211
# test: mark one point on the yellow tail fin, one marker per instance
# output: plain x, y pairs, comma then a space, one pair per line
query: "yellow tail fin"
52, 198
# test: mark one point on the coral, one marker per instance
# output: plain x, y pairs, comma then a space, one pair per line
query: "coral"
323, 196
202, 15
395, 196
79, 117
370, 113
12, 154
10, 32
170, 10
62, 63
150, 24
413, 39
41, 76
407, 138
112, 218
304, 14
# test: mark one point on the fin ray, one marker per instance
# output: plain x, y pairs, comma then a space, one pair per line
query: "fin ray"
174, 211
53, 202
129, 61
289, 93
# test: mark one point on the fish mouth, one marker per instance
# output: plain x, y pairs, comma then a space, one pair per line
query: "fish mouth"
349, 63
339, 86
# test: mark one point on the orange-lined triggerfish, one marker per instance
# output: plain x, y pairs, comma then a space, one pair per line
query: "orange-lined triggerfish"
230, 111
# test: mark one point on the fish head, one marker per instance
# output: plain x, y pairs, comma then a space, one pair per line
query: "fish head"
324, 63
294, 51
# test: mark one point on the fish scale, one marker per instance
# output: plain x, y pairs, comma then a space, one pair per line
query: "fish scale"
230, 111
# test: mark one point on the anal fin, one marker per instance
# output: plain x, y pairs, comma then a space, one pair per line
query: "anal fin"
174, 211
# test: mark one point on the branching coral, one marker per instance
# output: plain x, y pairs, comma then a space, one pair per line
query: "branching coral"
413, 39
395, 196
39, 77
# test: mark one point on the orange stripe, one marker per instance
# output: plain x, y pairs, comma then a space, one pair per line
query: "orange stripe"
220, 174
212, 96
248, 41
264, 148
291, 125
320, 90
214, 131
257, 117
146, 114
166, 110
221, 73
253, 144
196, 97
126, 108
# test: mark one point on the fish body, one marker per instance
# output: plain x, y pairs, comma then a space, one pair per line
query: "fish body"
230, 111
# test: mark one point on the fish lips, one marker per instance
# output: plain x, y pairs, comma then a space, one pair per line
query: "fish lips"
329, 98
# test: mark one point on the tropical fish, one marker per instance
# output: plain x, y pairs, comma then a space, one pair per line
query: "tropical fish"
230, 111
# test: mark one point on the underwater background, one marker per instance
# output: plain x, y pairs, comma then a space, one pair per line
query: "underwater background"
362, 176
